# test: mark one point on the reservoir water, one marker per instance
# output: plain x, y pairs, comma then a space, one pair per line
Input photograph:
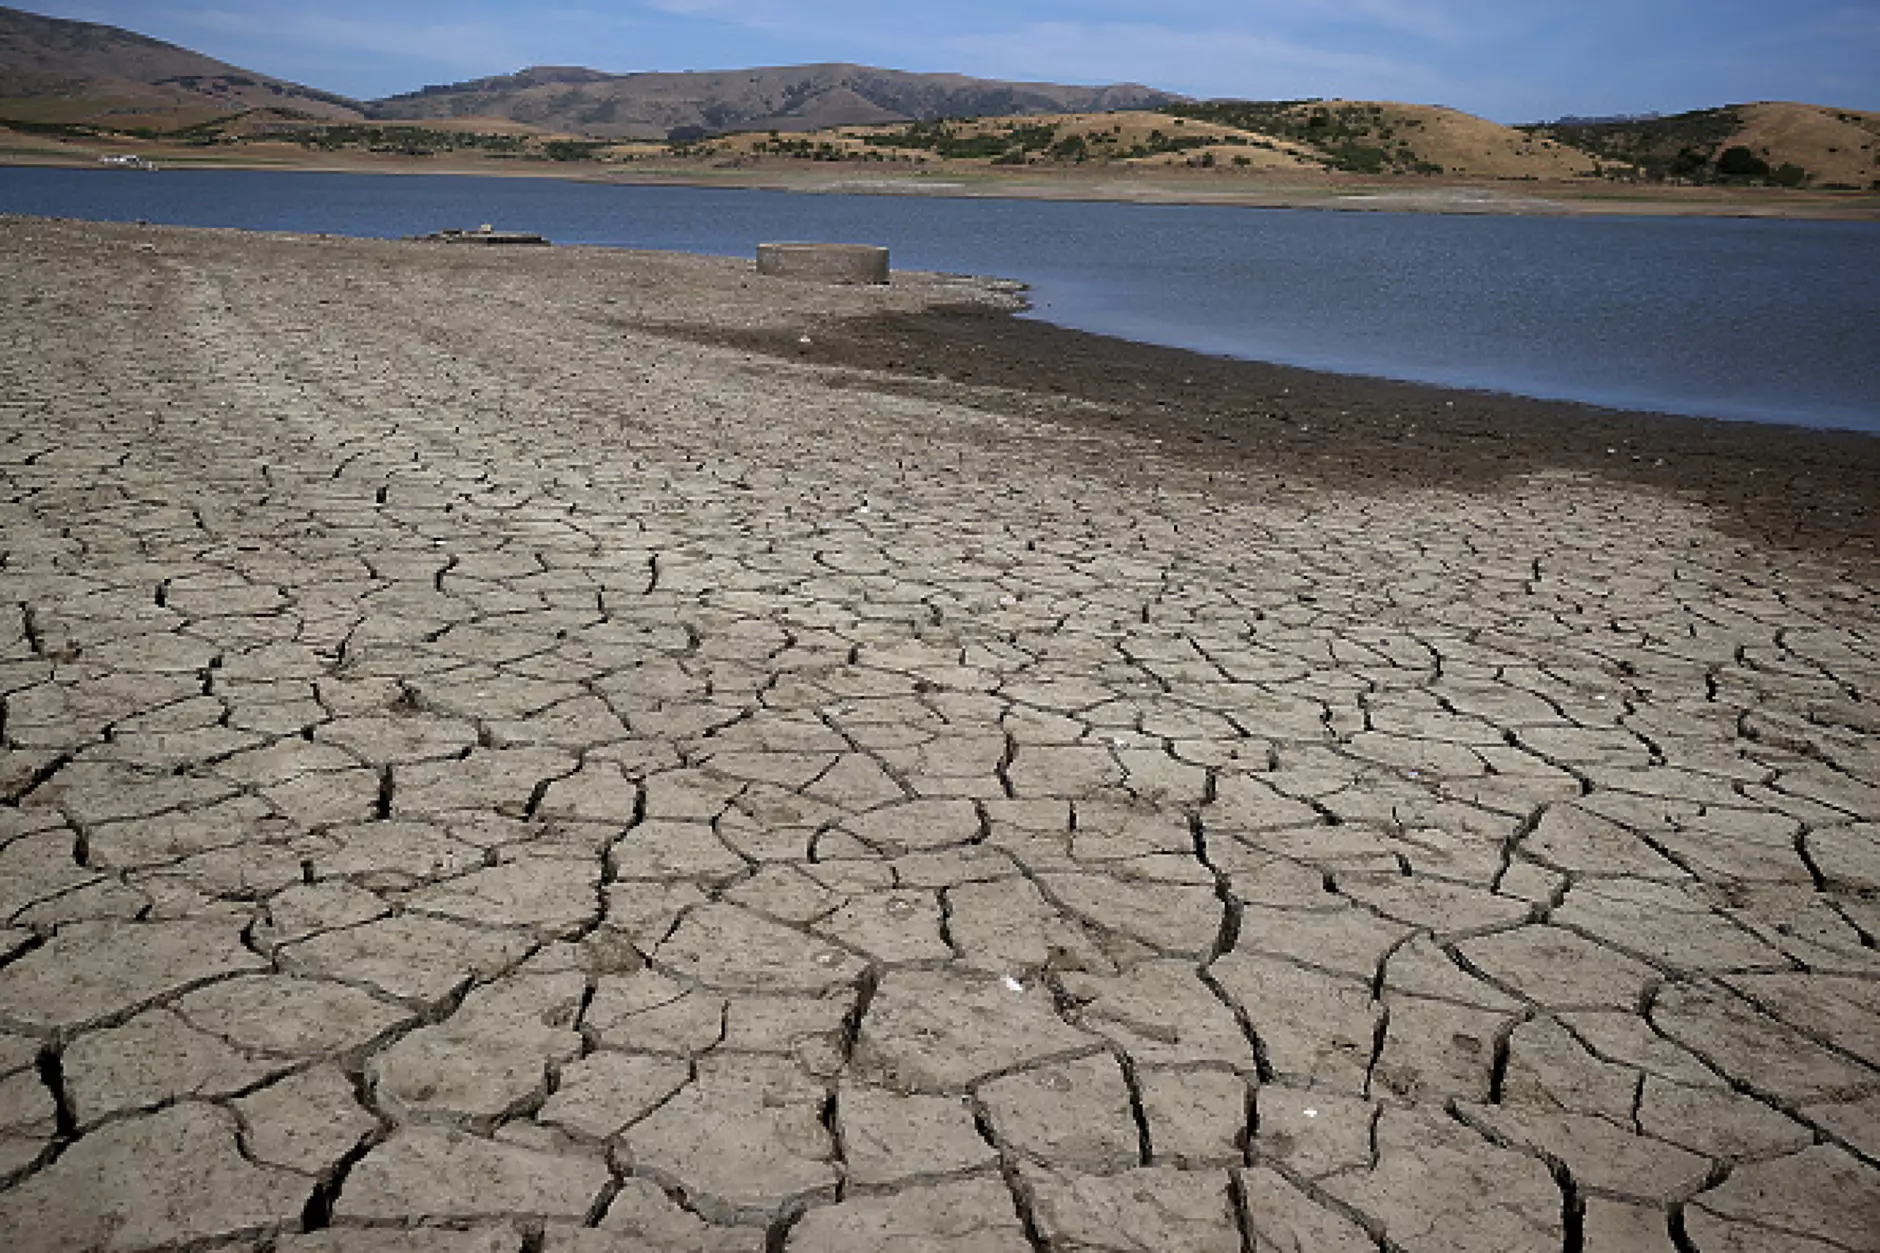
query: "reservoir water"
1762, 320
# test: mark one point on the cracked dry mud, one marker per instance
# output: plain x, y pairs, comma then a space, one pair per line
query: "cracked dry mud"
523, 752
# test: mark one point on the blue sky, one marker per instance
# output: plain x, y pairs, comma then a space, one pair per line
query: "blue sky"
1510, 60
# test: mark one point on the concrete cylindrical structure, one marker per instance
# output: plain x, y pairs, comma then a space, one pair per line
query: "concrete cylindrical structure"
824, 263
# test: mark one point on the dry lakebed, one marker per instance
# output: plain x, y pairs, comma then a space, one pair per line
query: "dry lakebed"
581, 750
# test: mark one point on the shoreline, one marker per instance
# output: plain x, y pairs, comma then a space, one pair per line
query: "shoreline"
1460, 389
1806, 487
1028, 314
1331, 193
1800, 487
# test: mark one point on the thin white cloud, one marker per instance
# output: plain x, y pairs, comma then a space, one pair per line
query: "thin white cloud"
1216, 62
1862, 23
1856, 21
465, 44
78, 11
764, 15
1440, 22
698, 8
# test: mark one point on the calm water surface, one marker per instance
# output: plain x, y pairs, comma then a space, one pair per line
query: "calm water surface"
1770, 321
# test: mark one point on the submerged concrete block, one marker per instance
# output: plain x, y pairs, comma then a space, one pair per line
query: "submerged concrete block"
824, 263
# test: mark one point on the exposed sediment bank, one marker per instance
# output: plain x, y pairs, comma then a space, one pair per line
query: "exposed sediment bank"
1344, 193
607, 752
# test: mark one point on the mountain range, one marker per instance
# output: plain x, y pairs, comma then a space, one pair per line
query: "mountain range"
54, 70
785, 98
67, 76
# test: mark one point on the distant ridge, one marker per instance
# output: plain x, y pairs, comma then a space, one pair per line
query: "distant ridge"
83, 71
784, 98
55, 70
1607, 119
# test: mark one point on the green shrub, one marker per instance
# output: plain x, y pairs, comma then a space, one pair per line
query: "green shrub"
1740, 163
570, 150
1689, 163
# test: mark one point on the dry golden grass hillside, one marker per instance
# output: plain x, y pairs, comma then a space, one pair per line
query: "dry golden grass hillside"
1797, 145
1787, 144
1356, 136
1127, 137
1387, 137
1472, 146
1832, 145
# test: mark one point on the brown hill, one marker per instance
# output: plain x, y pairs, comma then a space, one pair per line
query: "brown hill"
58, 71
1125, 137
1821, 146
1382, 137
1464, 144
1349, 136
1832, 145
784, 98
